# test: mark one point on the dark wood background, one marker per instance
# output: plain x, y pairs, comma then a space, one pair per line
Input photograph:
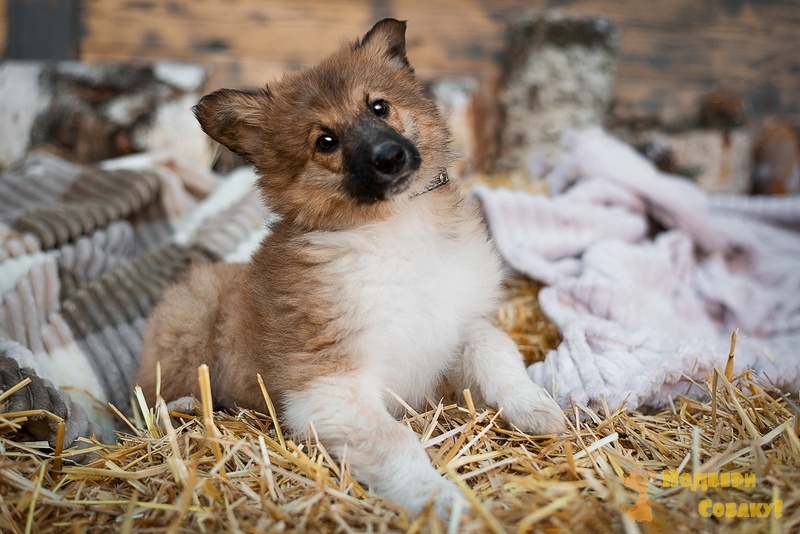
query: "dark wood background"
671, 52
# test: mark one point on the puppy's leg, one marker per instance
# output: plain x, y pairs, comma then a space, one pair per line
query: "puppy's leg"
182, 331
350, 418
493, 365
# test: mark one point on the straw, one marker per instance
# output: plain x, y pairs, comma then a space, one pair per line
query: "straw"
231, 471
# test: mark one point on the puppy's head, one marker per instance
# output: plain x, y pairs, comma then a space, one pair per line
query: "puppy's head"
340, 143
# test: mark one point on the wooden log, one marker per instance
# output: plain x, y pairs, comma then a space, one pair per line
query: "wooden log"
559, 74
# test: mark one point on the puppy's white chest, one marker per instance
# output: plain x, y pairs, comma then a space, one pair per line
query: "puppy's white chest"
407, 293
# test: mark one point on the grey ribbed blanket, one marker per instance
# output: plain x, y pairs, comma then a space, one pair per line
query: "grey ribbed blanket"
85, 252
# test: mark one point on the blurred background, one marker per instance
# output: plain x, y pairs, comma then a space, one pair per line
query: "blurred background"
707, 89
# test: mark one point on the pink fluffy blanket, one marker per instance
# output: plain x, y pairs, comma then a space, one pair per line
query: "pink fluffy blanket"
647, 276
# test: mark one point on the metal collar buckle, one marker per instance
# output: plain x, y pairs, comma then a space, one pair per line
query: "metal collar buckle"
438, 181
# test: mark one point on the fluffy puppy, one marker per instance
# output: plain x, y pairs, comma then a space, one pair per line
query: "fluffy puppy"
376, 277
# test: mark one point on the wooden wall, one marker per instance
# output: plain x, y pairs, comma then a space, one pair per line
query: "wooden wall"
670, 52
3, 25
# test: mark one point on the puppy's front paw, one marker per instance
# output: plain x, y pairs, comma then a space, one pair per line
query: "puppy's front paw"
416, 497
445, 495
533, 410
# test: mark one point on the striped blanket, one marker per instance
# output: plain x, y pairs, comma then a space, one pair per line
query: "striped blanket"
85, 252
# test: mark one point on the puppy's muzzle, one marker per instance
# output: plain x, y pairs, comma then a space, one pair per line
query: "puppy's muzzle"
379, 162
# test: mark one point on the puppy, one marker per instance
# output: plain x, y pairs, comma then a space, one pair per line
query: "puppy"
376, 277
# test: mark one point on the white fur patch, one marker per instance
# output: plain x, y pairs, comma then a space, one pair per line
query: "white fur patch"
404, 292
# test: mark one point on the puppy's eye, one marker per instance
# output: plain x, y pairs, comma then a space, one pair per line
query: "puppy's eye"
327, 142
380, 108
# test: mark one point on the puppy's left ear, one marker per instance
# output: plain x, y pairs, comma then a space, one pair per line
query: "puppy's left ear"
235, 118
388, 37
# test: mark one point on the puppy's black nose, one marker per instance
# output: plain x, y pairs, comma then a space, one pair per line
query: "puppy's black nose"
388, 157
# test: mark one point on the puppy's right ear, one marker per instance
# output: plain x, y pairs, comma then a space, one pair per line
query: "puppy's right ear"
388, 38
234, 118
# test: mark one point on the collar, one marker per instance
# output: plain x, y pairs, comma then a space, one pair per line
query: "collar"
438, 181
